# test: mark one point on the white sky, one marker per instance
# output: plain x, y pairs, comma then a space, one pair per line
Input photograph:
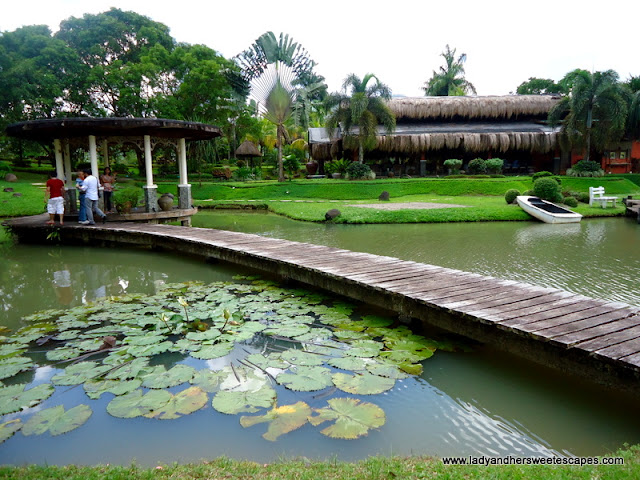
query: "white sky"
400, 41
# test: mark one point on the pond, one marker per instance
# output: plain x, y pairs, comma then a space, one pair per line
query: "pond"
470, 400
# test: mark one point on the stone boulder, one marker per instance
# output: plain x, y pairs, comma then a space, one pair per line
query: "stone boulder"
10, 177
384, 196
17, 194
332, 214
8, 189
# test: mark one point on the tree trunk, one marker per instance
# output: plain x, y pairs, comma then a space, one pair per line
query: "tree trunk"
588, 140
279, 144
360, 151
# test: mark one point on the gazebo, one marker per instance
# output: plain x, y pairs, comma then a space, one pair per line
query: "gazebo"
145, 134
248, 149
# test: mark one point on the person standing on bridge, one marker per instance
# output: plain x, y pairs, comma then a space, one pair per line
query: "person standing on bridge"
90, 187
54, 197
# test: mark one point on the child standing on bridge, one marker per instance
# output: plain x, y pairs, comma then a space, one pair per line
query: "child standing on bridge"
54, 197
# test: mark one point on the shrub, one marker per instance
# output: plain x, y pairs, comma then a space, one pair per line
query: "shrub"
528, 192
454, 165
291, 165
582, 197
358, 170
571, 202
4, 168
242, 173
494, 165
120, 168
585, 168
547, 189
511, 195
338, 166
127, 195
477, 166
541, 174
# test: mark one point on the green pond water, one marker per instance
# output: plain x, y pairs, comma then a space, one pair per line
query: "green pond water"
463, 403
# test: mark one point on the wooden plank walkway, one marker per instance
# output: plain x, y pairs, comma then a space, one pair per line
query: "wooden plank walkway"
594, 338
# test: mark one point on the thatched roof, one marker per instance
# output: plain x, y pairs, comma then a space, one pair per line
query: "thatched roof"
492, 107
541, 142
248, 149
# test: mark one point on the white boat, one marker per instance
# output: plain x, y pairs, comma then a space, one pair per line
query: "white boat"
546, 211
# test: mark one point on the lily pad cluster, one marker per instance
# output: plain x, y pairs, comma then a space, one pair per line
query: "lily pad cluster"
152, 355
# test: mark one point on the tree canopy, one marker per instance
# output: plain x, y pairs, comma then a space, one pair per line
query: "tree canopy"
449, 80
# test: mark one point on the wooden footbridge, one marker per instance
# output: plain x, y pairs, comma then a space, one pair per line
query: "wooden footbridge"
593, 338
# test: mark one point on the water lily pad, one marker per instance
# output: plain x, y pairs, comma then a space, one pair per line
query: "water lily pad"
14, 398
364, 348
7, 429
210, 380
234, 402
56, 420
291, 330
128, 369
209, 352
306, 379
362, 384
353, 419
148, 339
80, 373
375, 321
207, 336
160, 377
242, 379
272, 360
13, 365
149, 350
136, 403
281, 420
353, 364
185, 402
300, 357
389, 370
95, 388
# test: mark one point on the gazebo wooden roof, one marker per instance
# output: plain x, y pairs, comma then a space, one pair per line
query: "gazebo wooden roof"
49, 129
248, 149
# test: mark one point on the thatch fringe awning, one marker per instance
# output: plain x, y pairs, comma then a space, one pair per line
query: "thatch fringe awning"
473, 142
492, 107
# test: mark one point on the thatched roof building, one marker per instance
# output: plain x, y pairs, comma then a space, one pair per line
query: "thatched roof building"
434, 128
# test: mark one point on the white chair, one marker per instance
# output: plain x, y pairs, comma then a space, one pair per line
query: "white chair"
596, 195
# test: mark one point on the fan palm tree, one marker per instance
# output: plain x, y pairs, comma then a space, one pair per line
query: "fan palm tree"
364, 107
594, 112
449, 81
271, 66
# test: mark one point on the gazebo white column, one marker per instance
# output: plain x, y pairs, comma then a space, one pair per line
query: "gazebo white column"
184, 188
57, 147
150, 190
71, 204
105, 153
93, 158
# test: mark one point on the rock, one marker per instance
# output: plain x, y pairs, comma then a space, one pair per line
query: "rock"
17, 194
331, 214
10, 177
384, 196
8, 189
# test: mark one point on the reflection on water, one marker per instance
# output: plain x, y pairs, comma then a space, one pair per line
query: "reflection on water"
483, 402
596, 257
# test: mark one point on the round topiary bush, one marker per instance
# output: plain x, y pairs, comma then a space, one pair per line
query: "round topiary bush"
547, 188
528, 192
494, 165
358, 170
570, 202
511, 195
477, 166
538, 175
454, 165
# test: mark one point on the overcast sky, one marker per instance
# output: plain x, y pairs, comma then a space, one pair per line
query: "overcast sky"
506, 42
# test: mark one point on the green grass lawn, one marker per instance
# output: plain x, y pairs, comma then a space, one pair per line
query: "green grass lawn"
373, 468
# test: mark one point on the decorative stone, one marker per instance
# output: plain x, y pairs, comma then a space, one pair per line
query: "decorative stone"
8, 189
332, 214
384, 196
10, 177
17, 194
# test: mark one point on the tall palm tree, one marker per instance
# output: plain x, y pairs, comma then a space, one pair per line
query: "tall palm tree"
271, 66
449, 81
594, 112
360, 105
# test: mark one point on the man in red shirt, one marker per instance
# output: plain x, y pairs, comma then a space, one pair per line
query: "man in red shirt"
55, 198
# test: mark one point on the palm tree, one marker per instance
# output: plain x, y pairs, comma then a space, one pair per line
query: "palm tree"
594, 112
449, 81
364, 107
271, 66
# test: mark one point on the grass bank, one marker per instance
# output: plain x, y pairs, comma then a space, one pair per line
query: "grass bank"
377, 468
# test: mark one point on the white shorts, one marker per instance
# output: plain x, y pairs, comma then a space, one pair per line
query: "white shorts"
55, 205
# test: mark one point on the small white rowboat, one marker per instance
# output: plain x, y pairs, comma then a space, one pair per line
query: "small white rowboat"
546, 211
